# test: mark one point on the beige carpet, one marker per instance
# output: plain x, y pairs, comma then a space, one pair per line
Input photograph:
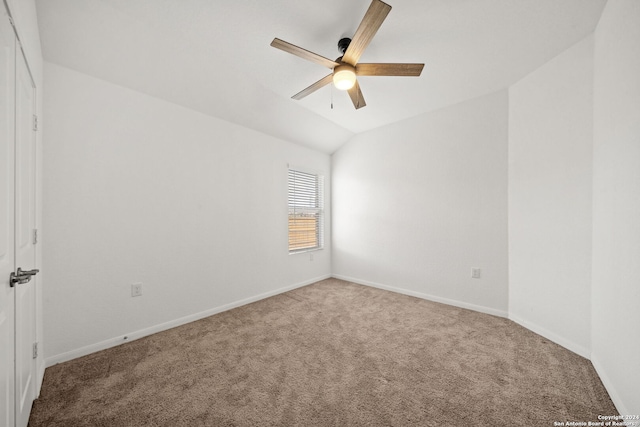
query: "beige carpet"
329, 354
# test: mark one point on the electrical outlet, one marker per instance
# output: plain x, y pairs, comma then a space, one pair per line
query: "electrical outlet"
475, 273
136, 289
310, 257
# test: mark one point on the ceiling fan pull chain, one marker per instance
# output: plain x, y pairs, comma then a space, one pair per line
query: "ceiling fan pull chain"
332, 97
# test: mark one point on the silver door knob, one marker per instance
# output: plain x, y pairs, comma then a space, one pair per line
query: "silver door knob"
21, 277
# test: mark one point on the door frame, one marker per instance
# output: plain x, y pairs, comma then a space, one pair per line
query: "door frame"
25, 245
36, 364
7, 247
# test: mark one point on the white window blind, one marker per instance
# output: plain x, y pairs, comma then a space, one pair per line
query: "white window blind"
306, 211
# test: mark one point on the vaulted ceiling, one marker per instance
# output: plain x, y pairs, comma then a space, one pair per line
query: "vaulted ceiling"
214, 56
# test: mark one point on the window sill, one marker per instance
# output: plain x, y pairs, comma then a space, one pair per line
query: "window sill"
304, 251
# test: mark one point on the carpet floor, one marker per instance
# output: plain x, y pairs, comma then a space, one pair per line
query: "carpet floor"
329, 354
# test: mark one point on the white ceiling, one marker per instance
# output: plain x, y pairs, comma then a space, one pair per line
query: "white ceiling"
214, 56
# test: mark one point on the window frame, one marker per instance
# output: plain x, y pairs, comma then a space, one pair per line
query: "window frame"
305, 208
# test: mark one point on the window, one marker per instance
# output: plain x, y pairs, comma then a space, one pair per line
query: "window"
306, 211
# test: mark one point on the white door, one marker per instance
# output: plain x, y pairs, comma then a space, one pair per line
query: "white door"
25, 253
7, 258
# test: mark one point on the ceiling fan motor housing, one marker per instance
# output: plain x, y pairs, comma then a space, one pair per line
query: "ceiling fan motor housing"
343, 44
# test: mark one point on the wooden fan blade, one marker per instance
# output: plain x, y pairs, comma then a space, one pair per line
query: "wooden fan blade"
303, 53
389, 69
356, 96
368, 28
314, 87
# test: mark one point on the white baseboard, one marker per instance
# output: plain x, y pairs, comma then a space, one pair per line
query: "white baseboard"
608, 384
568, 344
564, 342
134, 335
112, 342
455, 303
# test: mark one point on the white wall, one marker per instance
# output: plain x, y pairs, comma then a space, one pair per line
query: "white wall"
141, 190
419, 203
550, 154
616, 204
26, 21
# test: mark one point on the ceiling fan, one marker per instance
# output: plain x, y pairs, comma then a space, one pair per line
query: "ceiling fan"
346, 68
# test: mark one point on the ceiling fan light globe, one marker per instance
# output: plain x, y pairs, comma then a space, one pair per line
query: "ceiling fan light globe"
344, 77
